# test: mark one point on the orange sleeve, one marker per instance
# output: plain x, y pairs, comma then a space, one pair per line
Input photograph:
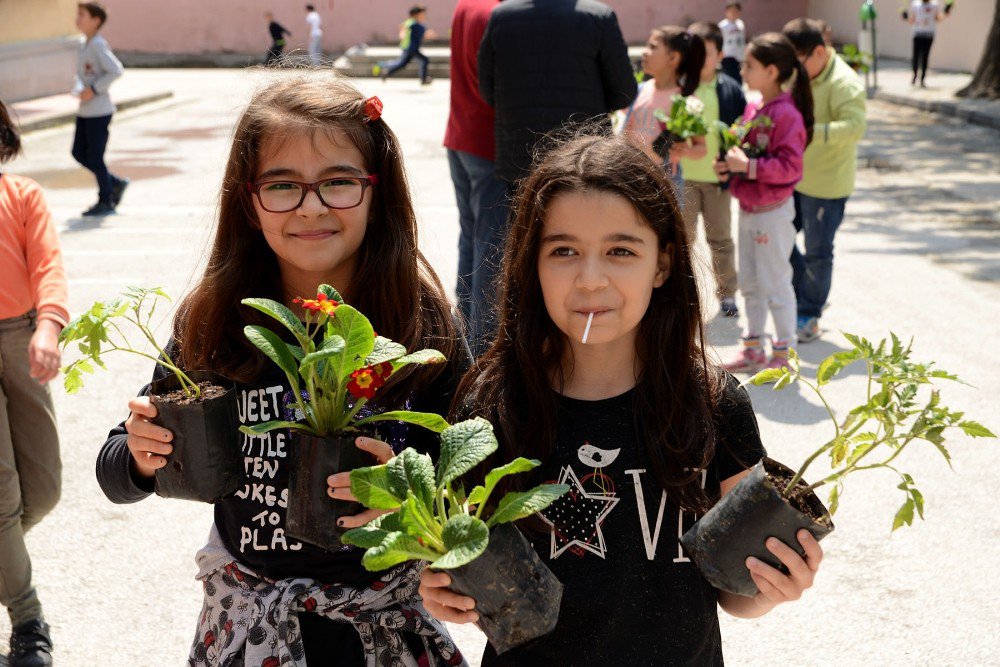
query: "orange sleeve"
45, 265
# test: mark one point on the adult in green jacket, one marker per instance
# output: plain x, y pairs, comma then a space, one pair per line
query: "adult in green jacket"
828, 168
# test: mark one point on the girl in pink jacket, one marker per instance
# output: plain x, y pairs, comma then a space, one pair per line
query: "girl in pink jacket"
763, 185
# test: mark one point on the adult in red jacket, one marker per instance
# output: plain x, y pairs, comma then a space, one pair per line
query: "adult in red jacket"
481, 195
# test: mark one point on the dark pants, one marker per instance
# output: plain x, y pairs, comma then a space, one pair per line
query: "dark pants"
731, 67
394, 66
812, 271
921, 54
274, 53
88, 149
482, 217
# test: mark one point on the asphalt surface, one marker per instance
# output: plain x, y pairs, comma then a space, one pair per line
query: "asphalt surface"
918, 254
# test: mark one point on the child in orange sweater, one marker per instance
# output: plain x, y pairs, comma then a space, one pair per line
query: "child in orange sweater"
32, 314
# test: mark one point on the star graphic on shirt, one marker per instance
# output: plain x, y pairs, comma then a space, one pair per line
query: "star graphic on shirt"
577, 516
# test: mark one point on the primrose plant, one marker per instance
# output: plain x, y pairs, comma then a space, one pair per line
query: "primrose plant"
900, 407
336, 365
434, 519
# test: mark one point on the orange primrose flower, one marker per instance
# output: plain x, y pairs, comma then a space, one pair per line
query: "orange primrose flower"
321, 304
366, 381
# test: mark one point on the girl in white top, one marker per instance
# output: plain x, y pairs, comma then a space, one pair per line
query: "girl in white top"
734, 40
315, 22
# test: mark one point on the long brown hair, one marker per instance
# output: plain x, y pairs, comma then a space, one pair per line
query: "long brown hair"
394, 285
10, 139
692, 51
773, 48
677, 389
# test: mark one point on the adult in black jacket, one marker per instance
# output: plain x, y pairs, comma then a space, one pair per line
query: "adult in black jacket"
545, 62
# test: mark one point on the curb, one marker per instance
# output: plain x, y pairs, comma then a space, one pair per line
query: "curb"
63, 118
954, 109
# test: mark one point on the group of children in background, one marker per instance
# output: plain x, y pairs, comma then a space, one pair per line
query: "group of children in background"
812, 105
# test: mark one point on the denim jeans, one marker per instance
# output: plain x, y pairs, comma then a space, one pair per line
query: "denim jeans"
812, 271
393, 66
482, 215
89, 144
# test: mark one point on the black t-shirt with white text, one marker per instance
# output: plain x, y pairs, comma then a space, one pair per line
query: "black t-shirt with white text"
631, 596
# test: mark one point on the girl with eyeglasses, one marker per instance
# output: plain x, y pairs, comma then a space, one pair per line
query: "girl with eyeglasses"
314, 192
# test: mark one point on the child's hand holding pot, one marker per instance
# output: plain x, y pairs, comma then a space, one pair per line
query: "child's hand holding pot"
148, 443
776, 587
721, 171
737, 161
442, 603
339, 485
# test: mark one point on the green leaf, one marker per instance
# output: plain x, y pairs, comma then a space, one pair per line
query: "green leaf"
396, 548
376, 488
428, 420
465, 537
828, 368
359, 340
463, 446
267, 427
904, 515
416, 472
280, 313
366, 537
784, 380
275, 349
518, 465
478, 495
976, 430
918, 502
332, 348
839, 451
421, 357
514, 506
768, 375
834, 499
384, 350
330, 292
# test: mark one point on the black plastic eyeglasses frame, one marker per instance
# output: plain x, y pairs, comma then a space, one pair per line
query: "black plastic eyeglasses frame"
365, 181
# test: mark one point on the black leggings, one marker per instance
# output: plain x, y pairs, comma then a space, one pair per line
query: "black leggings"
921, 54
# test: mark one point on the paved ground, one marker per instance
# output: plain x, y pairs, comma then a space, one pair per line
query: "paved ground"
918, 254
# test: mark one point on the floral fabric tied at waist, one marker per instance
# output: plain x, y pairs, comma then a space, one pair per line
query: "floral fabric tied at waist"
249, 621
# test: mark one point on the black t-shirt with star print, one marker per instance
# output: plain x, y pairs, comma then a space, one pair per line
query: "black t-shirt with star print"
631, 596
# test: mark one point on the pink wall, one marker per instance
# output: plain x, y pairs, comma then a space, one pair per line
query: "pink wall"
237, 26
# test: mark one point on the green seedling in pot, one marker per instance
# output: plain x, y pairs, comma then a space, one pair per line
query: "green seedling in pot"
900, 407
685, 121
433, 518
336, 365
102, 329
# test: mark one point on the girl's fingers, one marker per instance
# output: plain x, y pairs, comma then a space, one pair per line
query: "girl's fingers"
450, 614
141, 405
138, 446
341, 479
797, 567
144, 428
151, 461
814, 552
782, 583
359, 520
340, 493
432, 579
767, 590
377, 448
447, 598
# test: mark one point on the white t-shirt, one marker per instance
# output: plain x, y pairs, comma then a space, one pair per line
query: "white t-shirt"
315, 21
734, 38
924, 17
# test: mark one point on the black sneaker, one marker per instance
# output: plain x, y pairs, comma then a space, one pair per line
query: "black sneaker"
117, 190
31, 645
426, 82
100, 209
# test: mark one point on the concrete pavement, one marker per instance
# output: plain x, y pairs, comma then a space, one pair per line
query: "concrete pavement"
918, 253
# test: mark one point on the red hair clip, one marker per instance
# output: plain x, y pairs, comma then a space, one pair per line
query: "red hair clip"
373, 109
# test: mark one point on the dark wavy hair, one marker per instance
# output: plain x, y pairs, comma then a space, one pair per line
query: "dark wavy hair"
773, 48
678, 388
10, 138
394, 285
692, 51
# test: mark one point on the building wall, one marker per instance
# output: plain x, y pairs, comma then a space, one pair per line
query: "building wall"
958, 44
38, 47
237, 26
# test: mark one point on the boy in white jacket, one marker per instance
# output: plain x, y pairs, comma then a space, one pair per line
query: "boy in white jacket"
97, 68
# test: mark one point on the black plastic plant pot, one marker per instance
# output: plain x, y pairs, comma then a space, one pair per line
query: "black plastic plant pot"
312, 513
517, 596
206, 463
739, 524
664, 141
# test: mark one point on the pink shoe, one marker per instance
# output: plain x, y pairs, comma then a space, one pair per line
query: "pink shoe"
779, 357
750, 359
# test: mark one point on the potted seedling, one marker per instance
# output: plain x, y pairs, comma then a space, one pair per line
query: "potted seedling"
857, 59
470, 536
731, 136
900, 407
685, 121
334, 367
198, 407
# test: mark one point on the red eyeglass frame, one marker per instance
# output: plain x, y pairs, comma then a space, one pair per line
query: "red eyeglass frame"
366, 182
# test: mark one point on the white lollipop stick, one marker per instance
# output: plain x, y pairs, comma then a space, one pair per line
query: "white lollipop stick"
586, 332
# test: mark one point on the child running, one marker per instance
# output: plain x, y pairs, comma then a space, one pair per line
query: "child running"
631, 414
353, 226
673, 58
32, 313
764, 186
411, 36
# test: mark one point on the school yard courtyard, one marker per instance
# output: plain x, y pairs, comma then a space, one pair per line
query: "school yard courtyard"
918, 254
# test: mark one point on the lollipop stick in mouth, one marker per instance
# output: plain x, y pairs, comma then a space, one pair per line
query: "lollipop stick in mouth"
586, 332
